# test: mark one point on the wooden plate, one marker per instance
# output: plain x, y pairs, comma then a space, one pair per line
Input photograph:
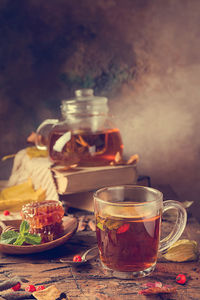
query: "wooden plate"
70, 226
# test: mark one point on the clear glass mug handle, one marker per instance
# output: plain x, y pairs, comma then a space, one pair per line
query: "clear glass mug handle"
42, 133
179, 226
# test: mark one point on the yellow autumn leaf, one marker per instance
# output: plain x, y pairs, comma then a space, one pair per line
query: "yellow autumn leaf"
34, 152
12, 198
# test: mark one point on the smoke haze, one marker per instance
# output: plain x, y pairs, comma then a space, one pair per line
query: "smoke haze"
159, 114
144, 55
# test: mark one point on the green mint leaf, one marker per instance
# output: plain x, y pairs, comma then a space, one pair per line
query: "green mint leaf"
100, 226
112, 224
32, 239
20, 240
24, 227
9, 237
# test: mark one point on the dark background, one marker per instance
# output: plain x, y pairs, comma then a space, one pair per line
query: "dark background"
143, 55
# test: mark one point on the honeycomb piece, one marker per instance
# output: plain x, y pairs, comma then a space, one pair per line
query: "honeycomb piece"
44, 218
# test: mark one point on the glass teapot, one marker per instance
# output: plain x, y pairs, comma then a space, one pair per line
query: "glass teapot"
85, 135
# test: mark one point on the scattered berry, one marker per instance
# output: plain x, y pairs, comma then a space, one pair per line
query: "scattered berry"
6, 212
123, 228
16, 287
181, 279
77, 258
40, 287
30, 288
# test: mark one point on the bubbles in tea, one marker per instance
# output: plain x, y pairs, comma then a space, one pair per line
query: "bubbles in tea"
128, 244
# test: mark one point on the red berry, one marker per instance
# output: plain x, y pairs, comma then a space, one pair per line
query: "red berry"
123, 228
6, 212
40, 287
16, 287
77, 258
181, 279
30, 288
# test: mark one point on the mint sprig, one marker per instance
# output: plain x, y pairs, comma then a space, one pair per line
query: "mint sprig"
21, 237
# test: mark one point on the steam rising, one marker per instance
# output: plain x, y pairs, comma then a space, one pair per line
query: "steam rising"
159, 114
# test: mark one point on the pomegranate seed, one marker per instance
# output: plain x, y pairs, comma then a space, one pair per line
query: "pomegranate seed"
6, 212
77, 258
181, 279
16, 287
40, 287
30, 288
123, 228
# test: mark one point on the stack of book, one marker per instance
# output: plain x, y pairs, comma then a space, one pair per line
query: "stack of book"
77, 186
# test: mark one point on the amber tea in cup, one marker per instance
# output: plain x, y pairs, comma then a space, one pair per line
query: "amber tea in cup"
128, 228
119, 252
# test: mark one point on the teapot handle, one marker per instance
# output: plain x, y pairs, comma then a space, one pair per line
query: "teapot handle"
42, 133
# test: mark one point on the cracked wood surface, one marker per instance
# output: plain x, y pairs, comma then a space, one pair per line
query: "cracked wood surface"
90, 281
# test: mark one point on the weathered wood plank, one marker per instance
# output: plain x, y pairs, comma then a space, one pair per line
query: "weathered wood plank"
90, 281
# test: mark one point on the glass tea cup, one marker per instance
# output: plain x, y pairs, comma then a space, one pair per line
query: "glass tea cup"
128, 228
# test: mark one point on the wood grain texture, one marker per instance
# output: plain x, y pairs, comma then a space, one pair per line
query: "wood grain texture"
90, 281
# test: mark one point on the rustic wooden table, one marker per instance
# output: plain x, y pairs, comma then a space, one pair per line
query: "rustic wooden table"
89, 281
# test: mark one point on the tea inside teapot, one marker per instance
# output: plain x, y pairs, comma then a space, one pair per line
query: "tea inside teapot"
85, 135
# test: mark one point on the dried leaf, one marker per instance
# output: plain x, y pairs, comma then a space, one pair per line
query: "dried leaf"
182, 250
120, 161
50, 292
32, 137
12, 192
152, 284
34, 152
82, 142
133, 159
82, 223
100, 151
157, 290
13, 197
112, 224
92, 225
7, 157
187, 204
118, 158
